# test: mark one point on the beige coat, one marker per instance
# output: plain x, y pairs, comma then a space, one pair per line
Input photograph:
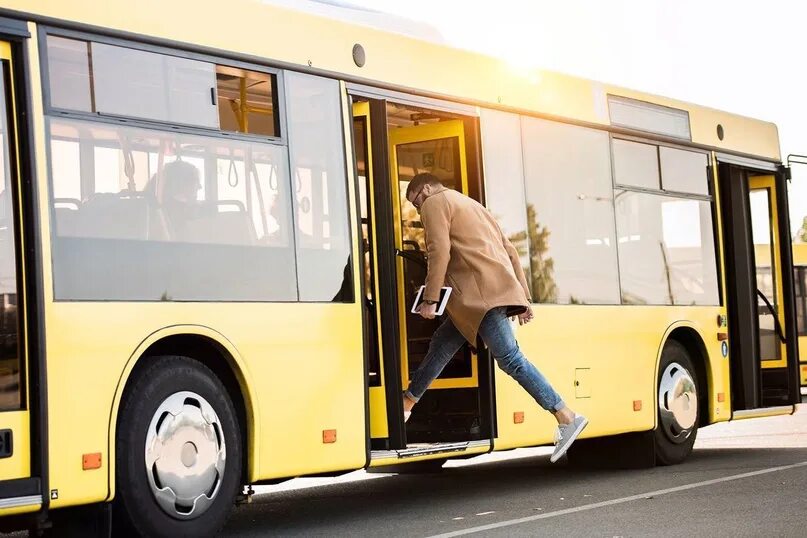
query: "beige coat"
468, 251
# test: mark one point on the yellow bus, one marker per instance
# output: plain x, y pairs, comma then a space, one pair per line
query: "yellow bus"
208, 262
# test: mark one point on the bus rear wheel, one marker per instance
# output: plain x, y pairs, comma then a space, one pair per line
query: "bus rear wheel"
178, 451
678, 412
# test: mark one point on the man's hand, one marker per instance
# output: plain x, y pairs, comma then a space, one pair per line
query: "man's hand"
427, 311
526, 317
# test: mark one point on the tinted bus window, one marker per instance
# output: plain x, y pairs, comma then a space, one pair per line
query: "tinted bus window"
570, 215
156, 216
666, 250
320, 188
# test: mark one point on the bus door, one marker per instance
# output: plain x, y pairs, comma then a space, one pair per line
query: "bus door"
393, 143
762, 350
437, 147
800, 276
18, 490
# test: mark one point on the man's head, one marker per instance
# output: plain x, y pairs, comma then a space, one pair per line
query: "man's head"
421, 187
181, 182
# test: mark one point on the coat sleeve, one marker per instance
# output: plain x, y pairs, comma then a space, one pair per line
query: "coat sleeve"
436, 219
512, 253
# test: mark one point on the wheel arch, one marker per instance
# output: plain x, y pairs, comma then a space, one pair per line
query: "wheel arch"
688, 336
215, 351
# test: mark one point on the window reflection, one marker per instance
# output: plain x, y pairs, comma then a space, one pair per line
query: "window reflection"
151, 215
504, 178
570, 228
636, 164
801, 299
69, 74
666, 250
130, 82
684, 171
320, 188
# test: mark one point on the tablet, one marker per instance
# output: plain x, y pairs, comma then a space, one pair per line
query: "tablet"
445, 293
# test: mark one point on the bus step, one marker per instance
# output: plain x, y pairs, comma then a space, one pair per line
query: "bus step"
426, 449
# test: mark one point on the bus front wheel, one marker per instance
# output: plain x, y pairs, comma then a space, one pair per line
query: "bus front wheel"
678, 413
178, 460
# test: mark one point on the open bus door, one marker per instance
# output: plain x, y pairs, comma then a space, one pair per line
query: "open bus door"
393, 143
20, 487
762, 348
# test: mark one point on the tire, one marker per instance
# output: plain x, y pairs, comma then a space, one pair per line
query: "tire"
151, 498
678, 405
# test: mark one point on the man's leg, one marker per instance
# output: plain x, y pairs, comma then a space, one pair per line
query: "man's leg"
445, 343
497, 334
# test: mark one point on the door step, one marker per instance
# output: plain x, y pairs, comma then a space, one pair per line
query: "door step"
427, 449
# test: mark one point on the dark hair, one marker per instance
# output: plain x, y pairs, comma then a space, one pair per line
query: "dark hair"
420, 180
179, 176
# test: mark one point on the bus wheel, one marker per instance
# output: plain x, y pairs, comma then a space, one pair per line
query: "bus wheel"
677, 405
178, 460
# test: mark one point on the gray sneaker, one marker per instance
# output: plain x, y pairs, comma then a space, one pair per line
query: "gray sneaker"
566, 435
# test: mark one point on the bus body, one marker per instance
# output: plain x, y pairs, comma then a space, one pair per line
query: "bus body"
209, 259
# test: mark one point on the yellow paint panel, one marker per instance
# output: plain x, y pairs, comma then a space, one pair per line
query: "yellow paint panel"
19, 464
621, 347
19, 510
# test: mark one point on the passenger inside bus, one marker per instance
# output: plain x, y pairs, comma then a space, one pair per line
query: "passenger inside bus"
177, 195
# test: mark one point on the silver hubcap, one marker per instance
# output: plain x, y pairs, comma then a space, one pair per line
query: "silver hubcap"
677, 402
185, 455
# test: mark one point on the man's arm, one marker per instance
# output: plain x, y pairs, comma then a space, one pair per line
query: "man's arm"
436, 218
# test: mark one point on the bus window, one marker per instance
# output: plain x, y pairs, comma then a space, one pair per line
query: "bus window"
246, 101
151, 215
570, 214
320, 189
801, 299
130, 82
69, 74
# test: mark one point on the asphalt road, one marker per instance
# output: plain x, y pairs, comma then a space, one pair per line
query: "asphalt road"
747, 478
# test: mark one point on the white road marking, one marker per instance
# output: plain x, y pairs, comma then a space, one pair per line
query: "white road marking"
612, 502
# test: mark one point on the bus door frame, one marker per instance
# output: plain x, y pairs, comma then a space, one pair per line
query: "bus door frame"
31, 490
747, 375
384, 231
386, 294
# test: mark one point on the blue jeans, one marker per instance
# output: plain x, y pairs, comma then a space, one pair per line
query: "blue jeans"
497, 334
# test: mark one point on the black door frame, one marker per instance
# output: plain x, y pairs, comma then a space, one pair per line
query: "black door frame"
747, 377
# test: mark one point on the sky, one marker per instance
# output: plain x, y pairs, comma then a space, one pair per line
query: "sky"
741, 56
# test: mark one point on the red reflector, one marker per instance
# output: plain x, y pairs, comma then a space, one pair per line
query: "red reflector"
328, 436
91, 461
518, 417
721, 397
722, 336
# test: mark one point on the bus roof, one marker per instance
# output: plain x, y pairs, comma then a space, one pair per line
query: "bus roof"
273, 33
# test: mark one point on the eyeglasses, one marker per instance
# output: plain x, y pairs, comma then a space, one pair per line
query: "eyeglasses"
415, 201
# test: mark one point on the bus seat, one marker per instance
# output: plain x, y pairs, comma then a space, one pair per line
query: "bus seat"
228, 227
115, 216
